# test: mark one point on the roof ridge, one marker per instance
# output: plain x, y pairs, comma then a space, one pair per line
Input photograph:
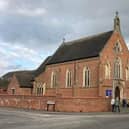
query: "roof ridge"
86, 38
87, 47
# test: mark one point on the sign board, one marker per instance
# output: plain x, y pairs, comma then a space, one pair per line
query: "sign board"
50, 102
108, 92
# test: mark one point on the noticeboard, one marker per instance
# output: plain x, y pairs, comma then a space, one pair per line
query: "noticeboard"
108, 93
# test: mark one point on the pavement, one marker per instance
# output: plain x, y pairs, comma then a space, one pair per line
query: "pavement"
11, 118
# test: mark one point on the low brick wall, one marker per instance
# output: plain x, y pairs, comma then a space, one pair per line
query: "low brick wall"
66, 104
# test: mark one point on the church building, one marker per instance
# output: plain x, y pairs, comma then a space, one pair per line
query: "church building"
82, 76
94, 66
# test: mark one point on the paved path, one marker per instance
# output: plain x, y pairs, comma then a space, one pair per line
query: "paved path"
20, 119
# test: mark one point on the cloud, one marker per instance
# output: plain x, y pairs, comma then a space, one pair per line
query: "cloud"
18, 57
3, 5
35, 28
56, 19
35, 12
33, 32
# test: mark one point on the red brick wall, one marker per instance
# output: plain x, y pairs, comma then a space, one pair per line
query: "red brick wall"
61, 69
83, 105
66, 104
69, 92
108, 54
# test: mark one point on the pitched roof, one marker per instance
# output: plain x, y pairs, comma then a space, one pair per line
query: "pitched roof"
80, 49
41, 68
25, 79
4, 83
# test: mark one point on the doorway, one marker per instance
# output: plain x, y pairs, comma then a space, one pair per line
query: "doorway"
117, 92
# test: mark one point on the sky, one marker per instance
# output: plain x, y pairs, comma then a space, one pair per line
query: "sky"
31, 30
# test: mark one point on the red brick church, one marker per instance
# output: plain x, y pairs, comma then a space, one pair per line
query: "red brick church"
94, 67
89, 67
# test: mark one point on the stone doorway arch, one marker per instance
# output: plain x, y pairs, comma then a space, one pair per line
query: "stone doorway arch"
118, 89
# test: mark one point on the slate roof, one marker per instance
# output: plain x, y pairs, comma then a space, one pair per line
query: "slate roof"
24, 78
4, 83
80, 49
41, 68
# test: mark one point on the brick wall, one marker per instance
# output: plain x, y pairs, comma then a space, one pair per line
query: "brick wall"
77, 85
108, 54
76, 91
68, 104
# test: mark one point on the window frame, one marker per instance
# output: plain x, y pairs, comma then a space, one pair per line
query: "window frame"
86, 77
117, 47
68, 79
53, 80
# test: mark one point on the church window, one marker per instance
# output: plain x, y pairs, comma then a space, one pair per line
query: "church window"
39, 89
117, 69
68, 78
127, 73
117, 47
53, 80
107, 71
86, 77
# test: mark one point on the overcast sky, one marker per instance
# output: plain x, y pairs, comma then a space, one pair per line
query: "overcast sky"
31, 30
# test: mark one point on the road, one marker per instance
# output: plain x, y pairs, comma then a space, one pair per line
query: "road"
21, 119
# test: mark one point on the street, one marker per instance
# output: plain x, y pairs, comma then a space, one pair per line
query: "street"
23, 119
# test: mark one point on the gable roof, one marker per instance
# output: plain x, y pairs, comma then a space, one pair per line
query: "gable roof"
41, 68
80, 49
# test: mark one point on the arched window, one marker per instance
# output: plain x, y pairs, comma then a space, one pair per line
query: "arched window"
127, 73
117, 47
44, 88
86, 77
117, 69
38, 88
53, 80
68, 78
107, 71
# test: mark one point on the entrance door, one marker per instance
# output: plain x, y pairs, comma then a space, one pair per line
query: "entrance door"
117, 92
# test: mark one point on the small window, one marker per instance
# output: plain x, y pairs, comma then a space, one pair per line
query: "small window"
117, 47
